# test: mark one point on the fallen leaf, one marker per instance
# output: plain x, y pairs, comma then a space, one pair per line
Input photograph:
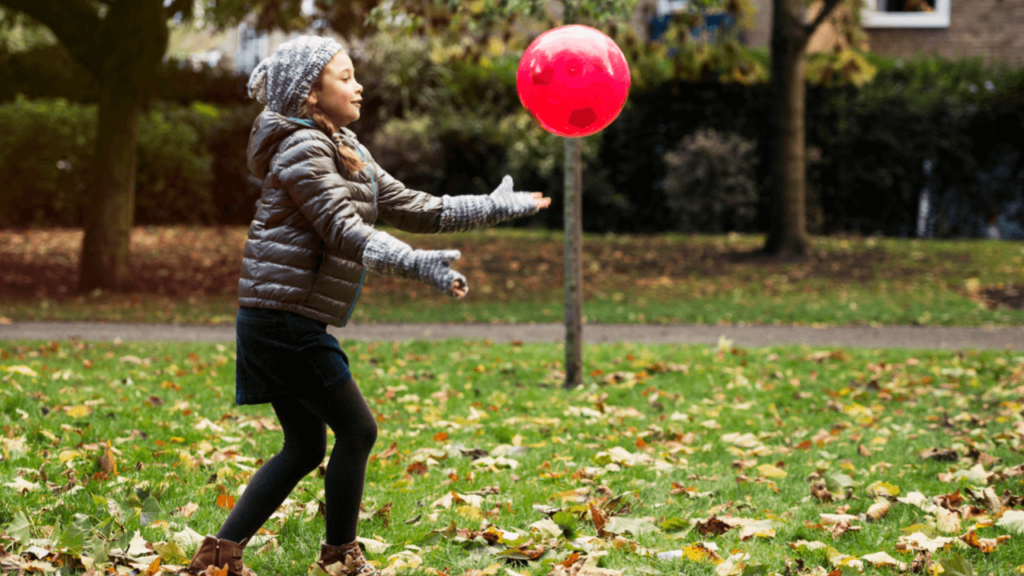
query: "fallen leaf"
918, 541
986, 545
107, 462
939, 454
771, 471
878, 510
884, 559
712, 526
1012, 521
947, 521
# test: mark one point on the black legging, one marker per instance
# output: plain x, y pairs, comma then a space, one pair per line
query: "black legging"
305, 424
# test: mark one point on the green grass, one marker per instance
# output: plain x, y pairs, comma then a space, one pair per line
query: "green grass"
190, 275
808, 410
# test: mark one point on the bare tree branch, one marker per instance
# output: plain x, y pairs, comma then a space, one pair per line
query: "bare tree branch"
826, 9
74, 22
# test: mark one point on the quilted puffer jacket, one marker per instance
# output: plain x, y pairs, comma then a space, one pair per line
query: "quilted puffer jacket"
305, 246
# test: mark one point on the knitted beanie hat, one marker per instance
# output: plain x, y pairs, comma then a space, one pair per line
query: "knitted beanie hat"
283, 80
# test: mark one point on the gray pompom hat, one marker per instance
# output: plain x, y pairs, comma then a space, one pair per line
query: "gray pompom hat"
283, 80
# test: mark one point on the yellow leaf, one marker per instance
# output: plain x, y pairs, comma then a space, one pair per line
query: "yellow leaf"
21, 369
187, 462
477, 6
79, 411
771, 471
470, 512
883, 489
698, 553
225, 472
69, 455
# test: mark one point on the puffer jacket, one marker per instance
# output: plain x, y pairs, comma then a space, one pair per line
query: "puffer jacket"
304, 253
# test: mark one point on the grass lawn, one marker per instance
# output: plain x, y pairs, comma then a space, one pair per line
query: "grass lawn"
190, 275
793, 460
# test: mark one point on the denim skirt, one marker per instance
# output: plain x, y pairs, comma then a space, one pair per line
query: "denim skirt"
282, 354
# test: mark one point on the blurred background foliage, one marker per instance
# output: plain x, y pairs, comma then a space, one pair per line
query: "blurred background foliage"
441, 114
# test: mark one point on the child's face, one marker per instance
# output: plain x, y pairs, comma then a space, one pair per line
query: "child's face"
340, 95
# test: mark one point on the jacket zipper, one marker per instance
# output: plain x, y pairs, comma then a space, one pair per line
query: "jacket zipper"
373, 219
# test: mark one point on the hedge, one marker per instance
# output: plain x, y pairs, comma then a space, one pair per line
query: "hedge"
867, 147
190, 166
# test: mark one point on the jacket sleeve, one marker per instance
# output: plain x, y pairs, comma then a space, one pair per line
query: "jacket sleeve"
307, 171
404, 208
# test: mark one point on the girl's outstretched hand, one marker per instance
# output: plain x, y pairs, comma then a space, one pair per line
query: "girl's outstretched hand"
540, 200
460, 289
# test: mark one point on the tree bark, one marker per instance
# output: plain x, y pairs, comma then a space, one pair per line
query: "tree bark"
134, 39
787, 234
110, 205
573, 272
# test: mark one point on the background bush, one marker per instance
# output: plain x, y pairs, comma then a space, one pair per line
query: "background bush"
46, 152
710, 185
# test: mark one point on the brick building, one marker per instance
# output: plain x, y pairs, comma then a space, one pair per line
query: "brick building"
991, 29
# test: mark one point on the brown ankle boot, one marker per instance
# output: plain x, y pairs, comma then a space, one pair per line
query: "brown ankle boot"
351, 557
219, 553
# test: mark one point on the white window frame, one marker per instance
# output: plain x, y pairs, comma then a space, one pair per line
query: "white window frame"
872, 18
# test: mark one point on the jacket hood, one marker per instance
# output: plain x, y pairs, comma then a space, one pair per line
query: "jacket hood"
270, 128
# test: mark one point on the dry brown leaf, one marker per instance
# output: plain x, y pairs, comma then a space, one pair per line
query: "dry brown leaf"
712, 526
878, 510
820, 491
986, 545
940, 454
599, 520
107, 462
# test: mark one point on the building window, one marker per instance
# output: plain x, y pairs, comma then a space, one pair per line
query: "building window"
906, 13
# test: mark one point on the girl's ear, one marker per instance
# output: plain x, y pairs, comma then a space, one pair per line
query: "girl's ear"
312, 98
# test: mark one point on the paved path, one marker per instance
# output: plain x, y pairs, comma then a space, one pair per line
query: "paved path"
747, 336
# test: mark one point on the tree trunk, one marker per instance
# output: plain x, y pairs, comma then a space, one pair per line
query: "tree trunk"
110, 207
133, 39
787, 235
573, 272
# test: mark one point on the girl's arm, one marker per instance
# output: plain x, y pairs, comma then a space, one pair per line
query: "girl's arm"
461, 213
307, 171
422, 213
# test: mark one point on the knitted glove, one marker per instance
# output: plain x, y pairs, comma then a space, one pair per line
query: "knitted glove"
461, 213
389, 256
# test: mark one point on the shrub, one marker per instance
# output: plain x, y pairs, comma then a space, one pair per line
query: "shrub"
710, 185
46, 151
174, 172
46, 154
410, 151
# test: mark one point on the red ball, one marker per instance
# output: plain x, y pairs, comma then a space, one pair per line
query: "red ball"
574, 80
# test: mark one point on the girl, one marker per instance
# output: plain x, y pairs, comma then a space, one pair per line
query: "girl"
304, 263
